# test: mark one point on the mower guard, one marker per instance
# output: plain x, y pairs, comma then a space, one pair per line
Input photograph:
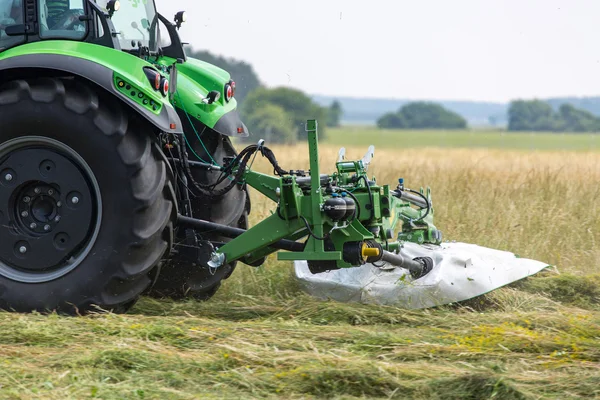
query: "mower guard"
461, 271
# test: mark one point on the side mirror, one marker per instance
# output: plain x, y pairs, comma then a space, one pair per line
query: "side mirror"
112, 6
180, 18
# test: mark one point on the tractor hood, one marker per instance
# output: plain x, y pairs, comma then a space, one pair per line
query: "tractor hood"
195, 80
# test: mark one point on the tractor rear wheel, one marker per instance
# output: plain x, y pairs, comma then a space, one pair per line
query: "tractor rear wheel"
85, 210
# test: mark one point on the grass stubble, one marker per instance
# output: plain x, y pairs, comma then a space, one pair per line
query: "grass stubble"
261, 338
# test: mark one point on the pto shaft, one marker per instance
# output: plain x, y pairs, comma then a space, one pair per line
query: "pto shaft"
419, 267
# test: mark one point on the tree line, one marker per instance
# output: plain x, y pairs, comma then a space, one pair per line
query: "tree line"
277, 115
537, 115
422, 115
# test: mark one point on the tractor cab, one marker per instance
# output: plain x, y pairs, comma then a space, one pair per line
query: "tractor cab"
131, 26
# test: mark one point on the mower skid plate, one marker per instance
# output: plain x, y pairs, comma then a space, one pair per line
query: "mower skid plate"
461, 271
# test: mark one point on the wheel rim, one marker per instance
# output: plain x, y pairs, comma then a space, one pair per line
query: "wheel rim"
50, 209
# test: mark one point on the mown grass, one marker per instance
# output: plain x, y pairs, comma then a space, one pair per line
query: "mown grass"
261, 338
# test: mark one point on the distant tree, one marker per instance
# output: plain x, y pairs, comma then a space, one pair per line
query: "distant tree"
334, 114
422, 115
575, 120
391, 121
536, 115
533, 115
273, 124
297, 105
241, 72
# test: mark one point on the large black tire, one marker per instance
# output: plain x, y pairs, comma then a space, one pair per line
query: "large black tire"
130, 228
180, 277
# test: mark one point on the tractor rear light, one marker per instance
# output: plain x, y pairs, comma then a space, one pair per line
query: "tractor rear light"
164, 86
233, 86
228, 92
154, 77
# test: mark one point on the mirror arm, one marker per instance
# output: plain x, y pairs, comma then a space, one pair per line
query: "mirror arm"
175, 50
109, 39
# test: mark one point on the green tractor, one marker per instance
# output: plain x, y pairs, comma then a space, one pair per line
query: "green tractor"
91, 93
118, 176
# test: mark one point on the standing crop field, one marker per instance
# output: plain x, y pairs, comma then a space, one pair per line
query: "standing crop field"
261, 338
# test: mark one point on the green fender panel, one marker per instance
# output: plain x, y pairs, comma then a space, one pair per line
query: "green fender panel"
102, 66
195, 80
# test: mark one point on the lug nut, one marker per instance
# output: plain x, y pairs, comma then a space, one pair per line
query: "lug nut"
22, 249
37, 190
33, 225
57, 219
75, 200
8, 177
50, 192
24, 214
26, 199
46, 228
59, 204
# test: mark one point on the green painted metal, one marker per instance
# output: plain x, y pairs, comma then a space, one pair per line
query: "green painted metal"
124, 65
381, 212
195, 78
137, 94
315, 246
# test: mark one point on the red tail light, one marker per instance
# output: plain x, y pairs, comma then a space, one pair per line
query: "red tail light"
164, 86
228, 92
154, 77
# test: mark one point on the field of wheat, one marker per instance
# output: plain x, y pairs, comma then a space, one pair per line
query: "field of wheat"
261, 338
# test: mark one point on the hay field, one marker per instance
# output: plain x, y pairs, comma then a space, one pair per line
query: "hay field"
261, 338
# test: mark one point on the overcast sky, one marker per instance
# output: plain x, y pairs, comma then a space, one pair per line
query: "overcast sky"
492, 50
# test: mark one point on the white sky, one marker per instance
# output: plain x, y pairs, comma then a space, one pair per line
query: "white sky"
492, 50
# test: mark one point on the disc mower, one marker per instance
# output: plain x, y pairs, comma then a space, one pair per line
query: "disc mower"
118, 176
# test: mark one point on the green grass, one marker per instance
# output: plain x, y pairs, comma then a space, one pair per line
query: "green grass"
265, 347
361, 136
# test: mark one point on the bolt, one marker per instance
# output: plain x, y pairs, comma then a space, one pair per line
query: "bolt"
57, 219
24, 214
33, 225
26, 199
8, 177
216, 260
22, 249
50, 192
75, 200
37, 190
59, 204
46, 228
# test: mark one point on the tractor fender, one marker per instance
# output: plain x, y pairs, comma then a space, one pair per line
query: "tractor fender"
95, 73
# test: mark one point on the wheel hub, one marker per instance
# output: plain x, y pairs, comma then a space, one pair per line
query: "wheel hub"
50, 203
38, 208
